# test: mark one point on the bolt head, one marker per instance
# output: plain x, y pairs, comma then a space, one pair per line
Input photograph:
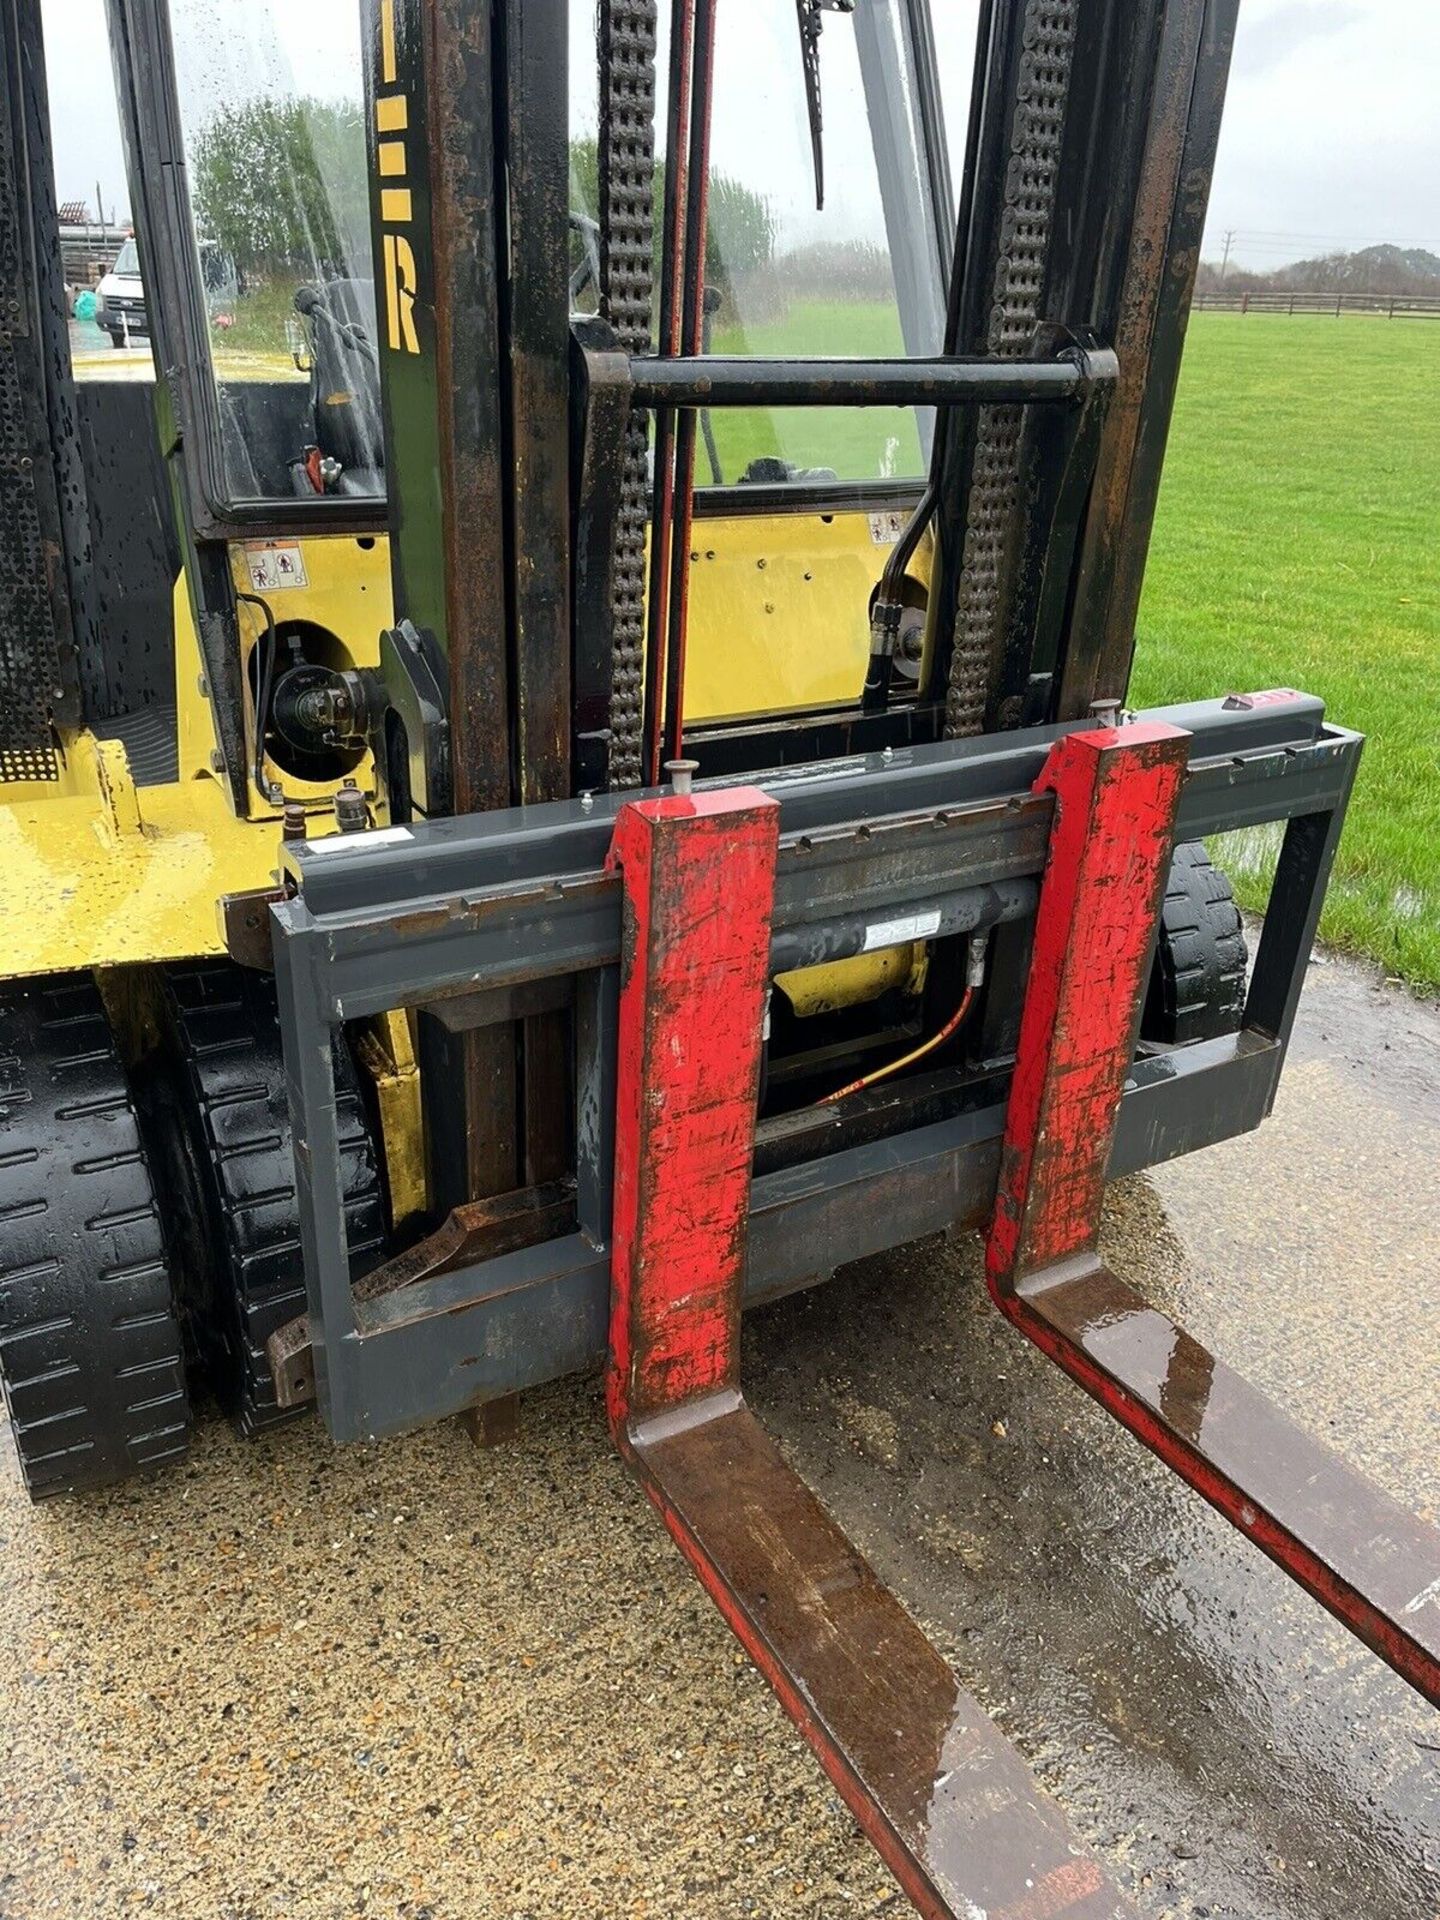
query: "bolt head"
681, 774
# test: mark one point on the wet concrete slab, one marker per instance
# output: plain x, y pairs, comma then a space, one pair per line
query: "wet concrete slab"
423, 1681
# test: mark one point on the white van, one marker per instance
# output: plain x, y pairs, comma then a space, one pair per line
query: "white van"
120, 296
120, 300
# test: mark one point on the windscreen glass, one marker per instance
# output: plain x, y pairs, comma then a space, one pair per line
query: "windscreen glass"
849, 263
271, 102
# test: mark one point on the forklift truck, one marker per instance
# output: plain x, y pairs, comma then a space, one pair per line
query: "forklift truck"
649, 896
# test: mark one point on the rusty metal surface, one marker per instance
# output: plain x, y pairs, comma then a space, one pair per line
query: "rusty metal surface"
467, 548
245, 927
1030, 169
1375, 1566
699, 884
1116, 794
479, 1230
1169, 214
669, 339
692, 340
494, 1423
948, 1802
536, 59
487, 1006
448, 541
626, 34
537, 178
601, 388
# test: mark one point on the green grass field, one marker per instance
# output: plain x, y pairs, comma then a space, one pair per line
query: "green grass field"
865, 444
1297, 543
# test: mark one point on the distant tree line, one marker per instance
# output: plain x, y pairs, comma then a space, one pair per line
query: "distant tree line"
281, 185
740, 233
1370, 270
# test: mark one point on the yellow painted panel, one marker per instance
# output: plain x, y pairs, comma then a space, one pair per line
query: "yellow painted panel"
779, 612
347, 588
96, 873
846, 983
75, 891
346, 591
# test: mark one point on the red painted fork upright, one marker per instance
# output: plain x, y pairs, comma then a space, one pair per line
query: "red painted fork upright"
1372, 1564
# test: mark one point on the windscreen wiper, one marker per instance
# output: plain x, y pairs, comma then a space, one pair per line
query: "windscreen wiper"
810, 14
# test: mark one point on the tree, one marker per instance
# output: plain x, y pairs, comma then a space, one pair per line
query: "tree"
740, 234
283, 185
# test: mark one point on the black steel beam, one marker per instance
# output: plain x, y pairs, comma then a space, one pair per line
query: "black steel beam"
1234, 751
715, 380
43, 530
536, 328
953, 833
434, 118
1146, 316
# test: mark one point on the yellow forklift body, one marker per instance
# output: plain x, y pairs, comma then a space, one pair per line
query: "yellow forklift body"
97, 872
102, 873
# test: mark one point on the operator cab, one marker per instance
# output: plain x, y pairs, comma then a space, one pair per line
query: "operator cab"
347, 454
798, 509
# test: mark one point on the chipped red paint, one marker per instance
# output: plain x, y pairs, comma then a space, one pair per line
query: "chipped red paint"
1115, 791
699, 874
950, 1806
1359, 1553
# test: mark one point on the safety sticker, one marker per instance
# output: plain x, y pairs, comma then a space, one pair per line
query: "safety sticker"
273, 566
358, 842
894, 933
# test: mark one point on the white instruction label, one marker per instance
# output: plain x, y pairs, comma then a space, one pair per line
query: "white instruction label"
895, 933
358, 842
273, 566
887, 527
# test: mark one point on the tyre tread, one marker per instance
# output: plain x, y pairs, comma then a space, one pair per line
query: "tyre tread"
85, 1300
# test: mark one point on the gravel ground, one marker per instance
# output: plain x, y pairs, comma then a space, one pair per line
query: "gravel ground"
424, 1681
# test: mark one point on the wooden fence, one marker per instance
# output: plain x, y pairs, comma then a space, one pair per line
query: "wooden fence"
1392, 305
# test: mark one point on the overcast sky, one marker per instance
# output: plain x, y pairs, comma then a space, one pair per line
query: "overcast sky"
1331, 135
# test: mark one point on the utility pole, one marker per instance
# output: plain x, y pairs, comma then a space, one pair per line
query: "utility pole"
1225, 257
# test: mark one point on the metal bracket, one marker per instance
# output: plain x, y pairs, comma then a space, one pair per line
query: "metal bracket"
416, 760
1376, 1567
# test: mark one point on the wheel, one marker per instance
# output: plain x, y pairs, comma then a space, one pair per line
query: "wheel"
90, 1352
1197, 984
219, 1120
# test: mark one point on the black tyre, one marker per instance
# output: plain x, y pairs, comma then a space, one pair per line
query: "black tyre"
216, 1104
90, 1351
1197, 985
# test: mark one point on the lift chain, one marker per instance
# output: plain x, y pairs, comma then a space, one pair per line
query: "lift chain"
1037, 126
626, 40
